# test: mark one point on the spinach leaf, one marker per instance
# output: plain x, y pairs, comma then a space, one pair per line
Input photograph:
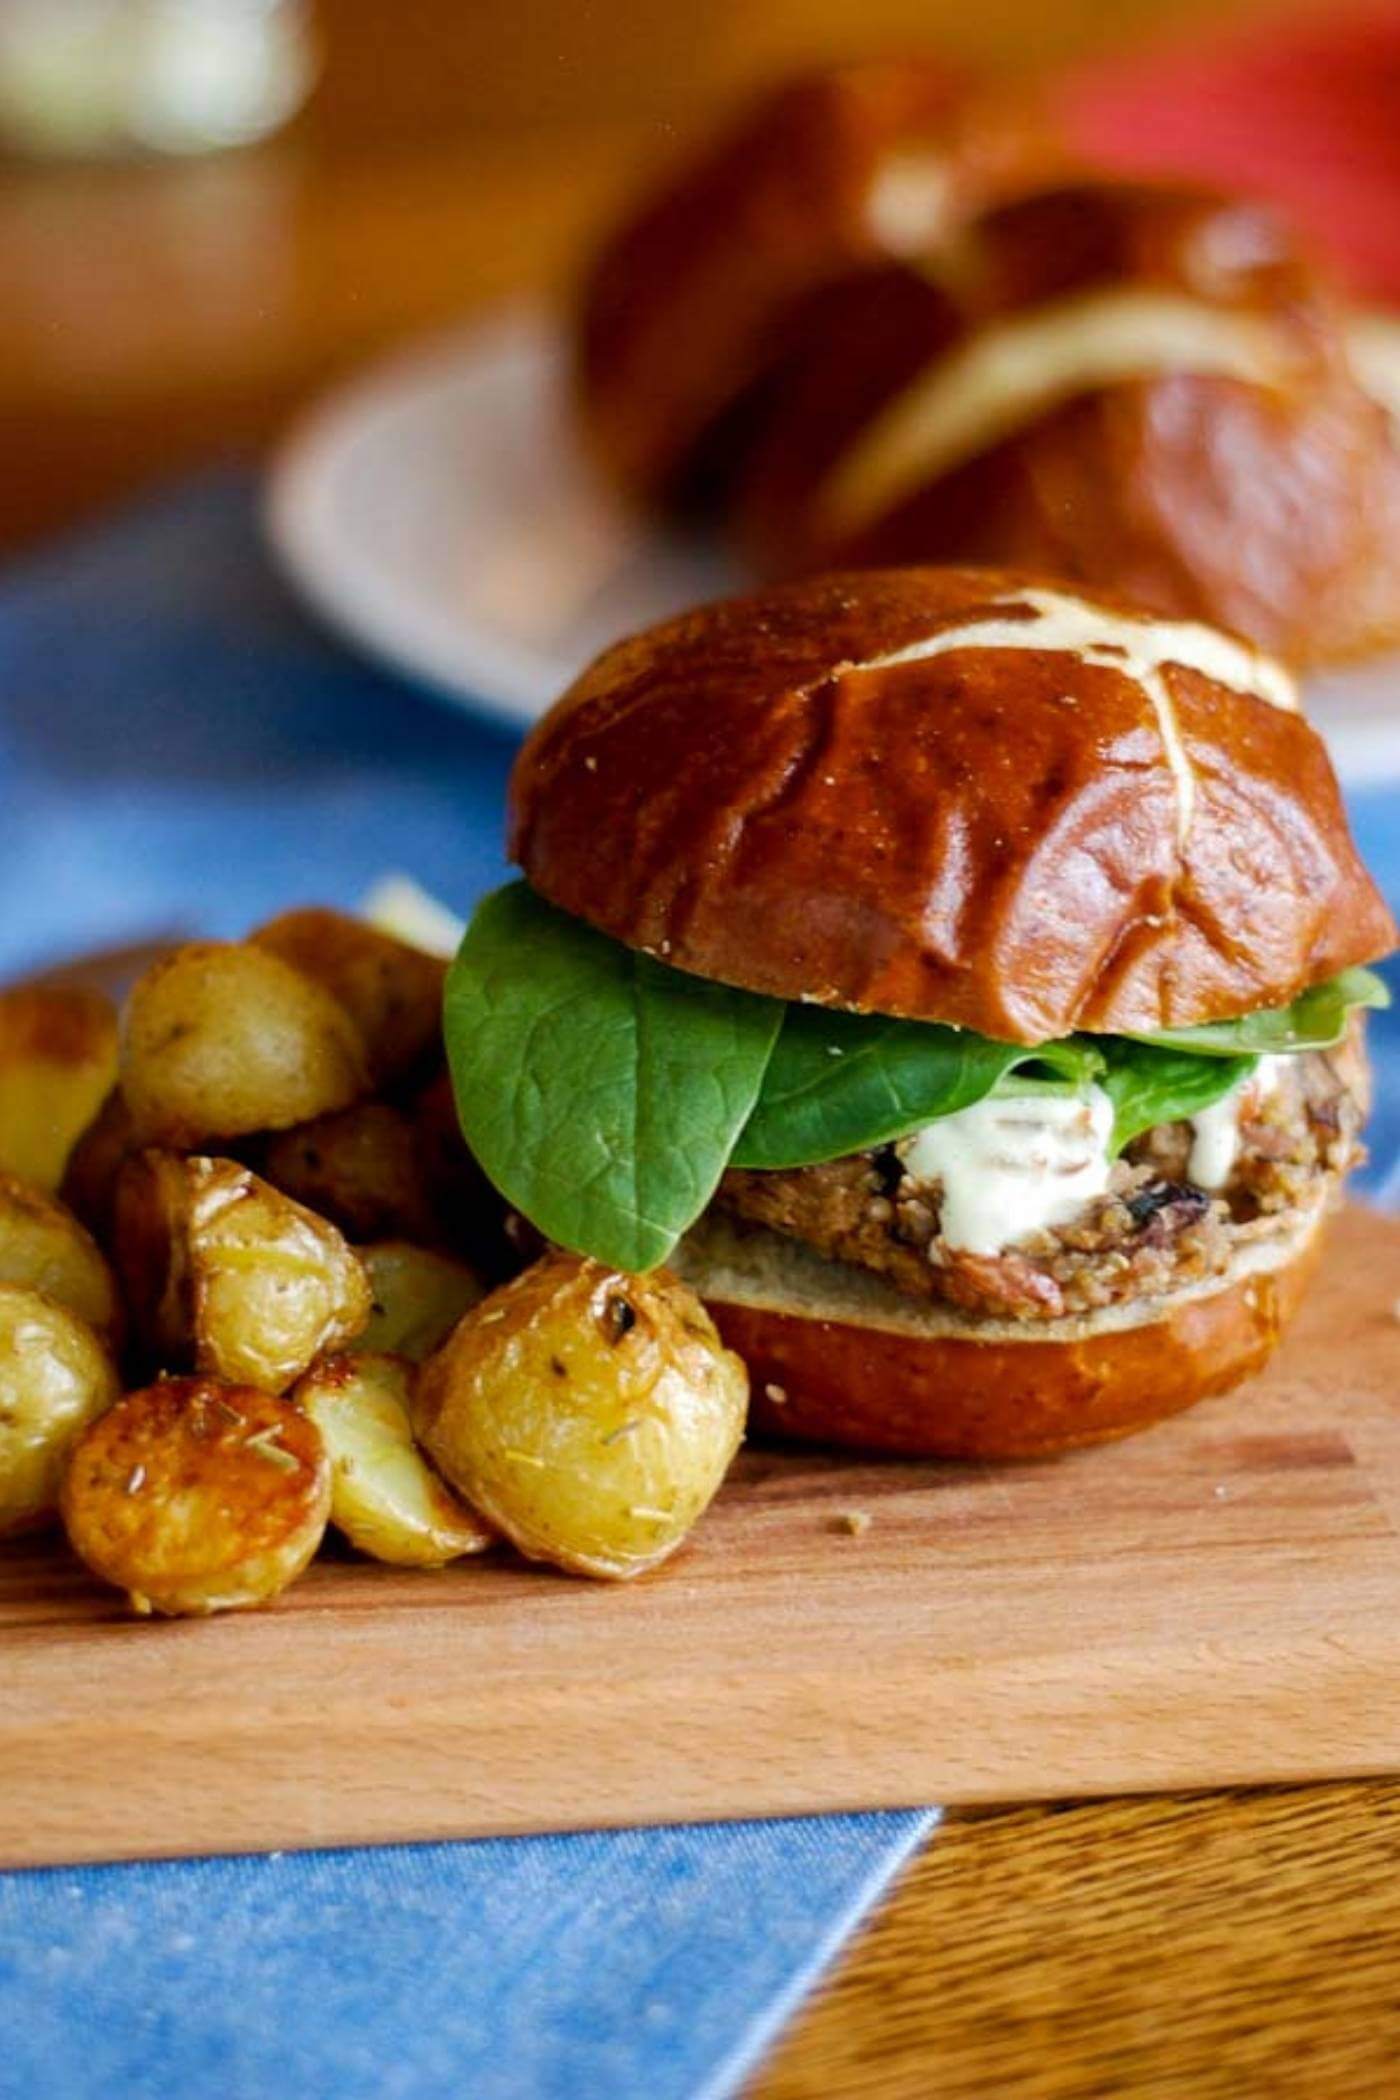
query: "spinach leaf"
1149, 1085
839, 1082
605, 1094
1316, 1018
601, 1091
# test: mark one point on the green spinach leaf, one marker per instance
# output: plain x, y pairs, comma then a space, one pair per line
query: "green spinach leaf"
601, 1091
1317, 1018
839, 1083
1149, 1085
605, 1094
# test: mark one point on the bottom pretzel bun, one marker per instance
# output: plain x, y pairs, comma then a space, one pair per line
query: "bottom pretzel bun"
837, 1356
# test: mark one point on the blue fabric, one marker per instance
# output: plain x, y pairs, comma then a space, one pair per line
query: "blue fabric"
625, 1965
179, 746
1375, 819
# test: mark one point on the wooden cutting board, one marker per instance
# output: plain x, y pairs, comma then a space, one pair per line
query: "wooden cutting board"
1215, 1601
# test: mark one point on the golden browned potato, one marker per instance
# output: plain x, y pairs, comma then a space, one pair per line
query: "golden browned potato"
225, 1274
588, 1414
220, 1039
197, 1497
385, 1496
150, 1234
55, 1376
44, 1248
418, 1298
359, 1167
58, 1058
89, 1186
392, 991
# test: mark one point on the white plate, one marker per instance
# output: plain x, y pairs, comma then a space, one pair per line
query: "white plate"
439, 513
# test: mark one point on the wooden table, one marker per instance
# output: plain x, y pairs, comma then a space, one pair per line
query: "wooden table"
157, 317
1217, 1947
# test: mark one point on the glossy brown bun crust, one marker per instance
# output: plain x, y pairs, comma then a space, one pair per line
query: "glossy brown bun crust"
1272, 508
989, 836
697, 296
901, 1381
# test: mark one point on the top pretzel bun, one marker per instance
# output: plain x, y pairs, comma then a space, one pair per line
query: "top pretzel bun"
953, 795
696, 296
1138, 386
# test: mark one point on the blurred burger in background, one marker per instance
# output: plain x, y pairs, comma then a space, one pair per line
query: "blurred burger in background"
885, 319
700, 299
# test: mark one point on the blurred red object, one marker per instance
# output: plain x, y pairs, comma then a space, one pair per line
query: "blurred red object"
1307, 112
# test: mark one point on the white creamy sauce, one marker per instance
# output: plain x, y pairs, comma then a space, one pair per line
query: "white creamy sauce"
1011, 1165
1139, 648
1216, 1130
1010, 373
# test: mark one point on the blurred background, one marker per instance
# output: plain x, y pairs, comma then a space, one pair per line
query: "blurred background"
165, 305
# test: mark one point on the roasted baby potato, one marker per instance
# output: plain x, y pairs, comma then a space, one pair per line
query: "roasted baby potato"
197, 1497
89, 1186
418, 1298
220, 1039
590, 1415
385, 1496
58, 1058
44, 1248
392, 991
225, 1274
55, 1376
359, 1167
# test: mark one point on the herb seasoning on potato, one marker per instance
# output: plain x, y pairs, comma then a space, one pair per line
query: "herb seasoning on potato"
591, 1415
228, 1276
195, 1496
385, 1496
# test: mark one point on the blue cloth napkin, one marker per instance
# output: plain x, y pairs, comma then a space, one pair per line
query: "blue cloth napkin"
619, 1965
180, 747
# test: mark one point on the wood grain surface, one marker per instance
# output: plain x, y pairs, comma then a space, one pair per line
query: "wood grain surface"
1238, 1946
1211, 1602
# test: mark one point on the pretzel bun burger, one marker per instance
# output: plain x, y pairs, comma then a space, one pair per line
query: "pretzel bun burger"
957, 978
1143, 387
706, 285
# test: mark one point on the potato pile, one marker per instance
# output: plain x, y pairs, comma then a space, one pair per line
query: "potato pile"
246, 1291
